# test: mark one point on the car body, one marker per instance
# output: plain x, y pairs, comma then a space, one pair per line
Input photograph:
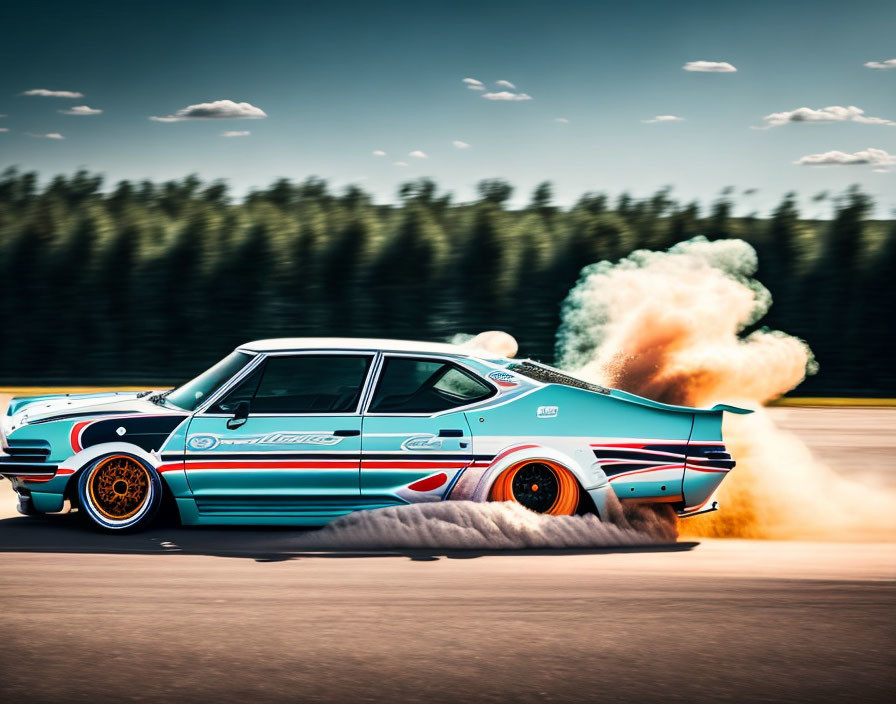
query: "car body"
301, 431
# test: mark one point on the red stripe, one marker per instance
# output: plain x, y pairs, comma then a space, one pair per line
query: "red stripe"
270, 464
707, 469
411, 464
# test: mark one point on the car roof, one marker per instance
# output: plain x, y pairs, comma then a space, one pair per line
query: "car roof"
355, 343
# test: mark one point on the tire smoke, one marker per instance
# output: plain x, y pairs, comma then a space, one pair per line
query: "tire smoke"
465, 525
668, 326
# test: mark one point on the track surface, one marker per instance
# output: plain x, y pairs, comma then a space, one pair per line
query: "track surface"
200, 615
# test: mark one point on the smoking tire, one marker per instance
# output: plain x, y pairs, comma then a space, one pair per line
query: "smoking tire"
539, 485
120, 493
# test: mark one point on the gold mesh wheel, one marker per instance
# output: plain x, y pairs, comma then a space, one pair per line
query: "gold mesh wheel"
119, 487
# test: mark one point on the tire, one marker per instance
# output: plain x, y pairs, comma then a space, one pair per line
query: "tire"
542, 486
120, 493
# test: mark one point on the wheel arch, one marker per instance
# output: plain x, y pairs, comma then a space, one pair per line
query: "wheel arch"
479, 481
85, 458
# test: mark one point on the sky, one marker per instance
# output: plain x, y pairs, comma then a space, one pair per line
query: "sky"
592, 96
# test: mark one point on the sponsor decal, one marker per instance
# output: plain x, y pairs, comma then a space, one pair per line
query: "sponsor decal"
503, 378
209, 441
202, 442
422, 442
547, 412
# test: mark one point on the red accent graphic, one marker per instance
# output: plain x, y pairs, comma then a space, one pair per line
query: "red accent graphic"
75, 437
430, 483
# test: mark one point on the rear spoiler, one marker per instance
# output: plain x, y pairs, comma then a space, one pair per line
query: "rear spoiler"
640, 400
724, 407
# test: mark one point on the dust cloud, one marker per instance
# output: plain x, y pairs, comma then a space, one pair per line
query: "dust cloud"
465, 525
669, 326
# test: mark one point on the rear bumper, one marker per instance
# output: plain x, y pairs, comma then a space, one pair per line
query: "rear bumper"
37, 502
708, 506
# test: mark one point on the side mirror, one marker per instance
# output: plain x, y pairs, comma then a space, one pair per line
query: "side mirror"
240, 415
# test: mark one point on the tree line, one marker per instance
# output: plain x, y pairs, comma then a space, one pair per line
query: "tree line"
151, 282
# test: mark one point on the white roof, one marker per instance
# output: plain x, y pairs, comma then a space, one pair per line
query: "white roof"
354, 343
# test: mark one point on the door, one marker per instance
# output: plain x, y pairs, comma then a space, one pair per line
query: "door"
416, 440
286, 440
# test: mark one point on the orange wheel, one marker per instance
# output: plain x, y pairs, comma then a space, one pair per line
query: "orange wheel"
541, 486
119, 487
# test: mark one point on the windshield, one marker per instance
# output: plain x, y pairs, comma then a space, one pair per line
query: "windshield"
193, 393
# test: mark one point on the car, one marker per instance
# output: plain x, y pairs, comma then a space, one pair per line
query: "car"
301, 431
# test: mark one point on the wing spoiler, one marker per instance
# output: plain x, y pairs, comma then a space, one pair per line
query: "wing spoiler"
640, 400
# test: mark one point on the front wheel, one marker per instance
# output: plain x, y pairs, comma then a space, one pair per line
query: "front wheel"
120, 493
540, 486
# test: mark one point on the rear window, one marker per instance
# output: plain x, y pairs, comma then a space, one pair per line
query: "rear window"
549, 375
425, 386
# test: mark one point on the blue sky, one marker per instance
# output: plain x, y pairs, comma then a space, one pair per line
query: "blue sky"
340, 80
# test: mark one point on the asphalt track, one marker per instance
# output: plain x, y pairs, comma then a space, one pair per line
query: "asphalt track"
234, 615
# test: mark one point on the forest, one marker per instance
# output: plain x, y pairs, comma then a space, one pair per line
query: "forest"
149, 283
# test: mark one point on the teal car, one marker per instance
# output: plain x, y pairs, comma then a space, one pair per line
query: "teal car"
302, 431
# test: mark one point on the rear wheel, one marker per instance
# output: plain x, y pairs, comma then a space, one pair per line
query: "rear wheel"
541, 486
120, 493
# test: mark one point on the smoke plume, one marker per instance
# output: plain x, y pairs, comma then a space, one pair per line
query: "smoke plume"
464, 525
668, 326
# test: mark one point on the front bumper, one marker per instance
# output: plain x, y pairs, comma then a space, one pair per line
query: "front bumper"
13, 467
25, 506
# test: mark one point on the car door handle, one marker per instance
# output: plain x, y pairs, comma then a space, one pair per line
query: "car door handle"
346, 433
451, 433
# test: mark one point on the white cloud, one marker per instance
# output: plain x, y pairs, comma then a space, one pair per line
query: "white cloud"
663, 118
833, 113
459, 144
400, 163
473, 84
709, 67
215, 110
505, 84
49, 135
4, 129
81, 110
875, 157
4, 115
417, 154
378, 152
882, 65
53, 93
561, 120
235, 133
506, 95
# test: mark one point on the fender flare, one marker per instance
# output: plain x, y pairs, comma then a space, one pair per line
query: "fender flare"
479, 480
74, 465
79, 460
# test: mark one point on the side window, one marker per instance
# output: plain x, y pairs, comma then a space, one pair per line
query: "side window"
425, 386
302, 384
